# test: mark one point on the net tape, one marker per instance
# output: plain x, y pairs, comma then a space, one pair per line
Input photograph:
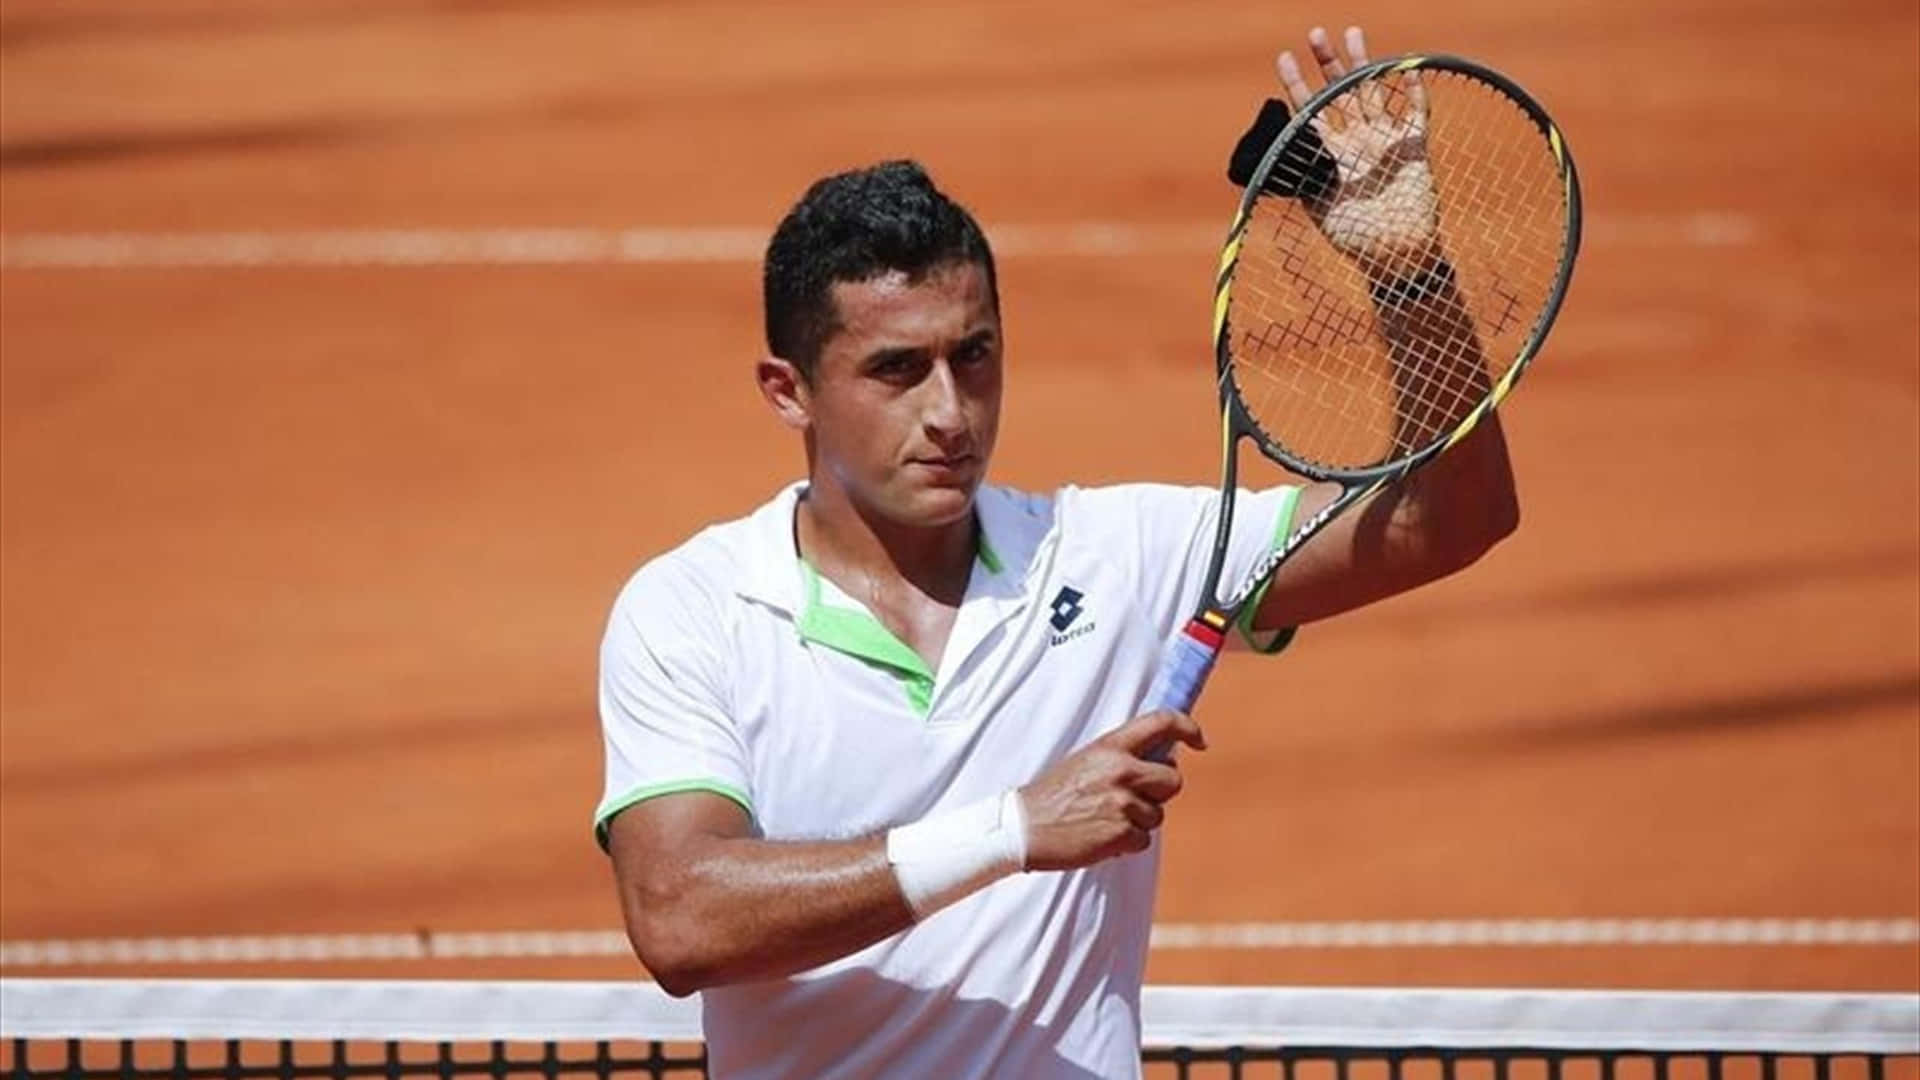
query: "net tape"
1173, 1016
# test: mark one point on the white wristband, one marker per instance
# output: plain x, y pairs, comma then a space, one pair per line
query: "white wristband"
942, 858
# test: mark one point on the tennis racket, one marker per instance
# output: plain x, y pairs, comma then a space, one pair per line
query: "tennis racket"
1398, 257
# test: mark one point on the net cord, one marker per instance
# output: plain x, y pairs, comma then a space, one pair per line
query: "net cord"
1191, 1016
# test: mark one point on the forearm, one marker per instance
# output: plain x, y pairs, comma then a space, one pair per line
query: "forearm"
739, 908
1431, 524
1438, 519
1439, 369
1452, 510
718, 905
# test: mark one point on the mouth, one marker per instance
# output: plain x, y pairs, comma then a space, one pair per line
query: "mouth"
947, 465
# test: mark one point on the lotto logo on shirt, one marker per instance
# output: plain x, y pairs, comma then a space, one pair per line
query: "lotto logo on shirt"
1066, 621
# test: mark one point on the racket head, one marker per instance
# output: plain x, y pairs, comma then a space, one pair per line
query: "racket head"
1305, 372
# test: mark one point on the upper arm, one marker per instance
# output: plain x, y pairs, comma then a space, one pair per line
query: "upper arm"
1322, 577
658, 847
677, 777
655, 843
1175, 528
1433, 522
666, 717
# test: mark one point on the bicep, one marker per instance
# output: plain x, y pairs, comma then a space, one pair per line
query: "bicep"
656, 845
1323, 577
1389, 544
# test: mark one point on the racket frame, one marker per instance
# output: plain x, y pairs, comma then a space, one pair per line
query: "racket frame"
1190, 655
1238, 422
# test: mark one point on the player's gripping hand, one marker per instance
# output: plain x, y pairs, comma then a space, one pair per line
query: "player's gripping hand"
1106, 798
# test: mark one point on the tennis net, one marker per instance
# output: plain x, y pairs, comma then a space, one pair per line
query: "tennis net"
160, 1029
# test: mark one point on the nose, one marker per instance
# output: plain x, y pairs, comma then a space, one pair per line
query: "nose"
942, 413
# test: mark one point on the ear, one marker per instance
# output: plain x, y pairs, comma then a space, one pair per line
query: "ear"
786, 392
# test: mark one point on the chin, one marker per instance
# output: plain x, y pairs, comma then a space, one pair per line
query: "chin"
933, 506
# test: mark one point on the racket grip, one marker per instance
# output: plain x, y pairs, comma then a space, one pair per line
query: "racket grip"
1184, 668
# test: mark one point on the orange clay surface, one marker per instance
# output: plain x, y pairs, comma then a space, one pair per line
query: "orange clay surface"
304, 569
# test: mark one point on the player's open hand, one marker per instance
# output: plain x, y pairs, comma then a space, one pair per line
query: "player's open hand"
1108, 797
1381, 209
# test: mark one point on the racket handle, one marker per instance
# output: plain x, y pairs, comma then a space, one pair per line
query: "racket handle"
1184, 668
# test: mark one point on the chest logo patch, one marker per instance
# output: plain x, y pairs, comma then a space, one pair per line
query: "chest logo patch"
1067, 609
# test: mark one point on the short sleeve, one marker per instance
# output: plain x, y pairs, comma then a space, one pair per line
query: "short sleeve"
664, 714
1176, 530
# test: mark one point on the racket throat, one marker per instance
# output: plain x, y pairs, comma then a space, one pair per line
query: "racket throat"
1210, 627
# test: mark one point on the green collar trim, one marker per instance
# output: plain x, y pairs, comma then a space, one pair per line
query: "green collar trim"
856, 632
989, 558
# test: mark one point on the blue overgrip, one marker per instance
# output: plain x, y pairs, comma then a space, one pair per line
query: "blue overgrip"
1184, 668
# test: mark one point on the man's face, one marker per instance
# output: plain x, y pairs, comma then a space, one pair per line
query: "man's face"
905, 398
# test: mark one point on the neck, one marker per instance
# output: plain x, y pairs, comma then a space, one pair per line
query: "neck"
843, 539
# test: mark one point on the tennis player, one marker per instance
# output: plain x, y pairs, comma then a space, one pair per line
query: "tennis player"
874, 780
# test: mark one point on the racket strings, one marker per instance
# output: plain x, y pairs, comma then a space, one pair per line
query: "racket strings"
1369, 318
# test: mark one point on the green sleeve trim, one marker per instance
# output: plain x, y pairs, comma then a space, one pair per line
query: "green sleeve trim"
1282, 528
1275, 644
604, 817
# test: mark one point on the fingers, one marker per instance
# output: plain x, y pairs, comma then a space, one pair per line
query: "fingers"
1155, 781
1159, 729
1183, 728
1373, 94
1105, 799
1296, 84
1144, 815
1330, 65
1416, 102
1357, 47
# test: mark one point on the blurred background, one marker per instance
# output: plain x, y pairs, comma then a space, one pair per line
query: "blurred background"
353, 352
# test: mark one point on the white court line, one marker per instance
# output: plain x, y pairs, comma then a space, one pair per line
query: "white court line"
522, 247
1452, 934
693, 244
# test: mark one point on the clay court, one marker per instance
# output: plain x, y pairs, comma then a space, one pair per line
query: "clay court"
306, 556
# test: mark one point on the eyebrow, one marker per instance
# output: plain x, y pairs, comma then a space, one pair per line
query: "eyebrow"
893, 352
914, 352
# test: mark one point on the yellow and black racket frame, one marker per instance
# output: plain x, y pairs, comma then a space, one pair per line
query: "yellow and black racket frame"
1191, 654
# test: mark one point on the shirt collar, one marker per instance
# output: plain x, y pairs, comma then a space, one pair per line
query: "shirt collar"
1011, 533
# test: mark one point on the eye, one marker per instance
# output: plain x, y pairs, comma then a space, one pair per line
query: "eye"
893, 364
974, 350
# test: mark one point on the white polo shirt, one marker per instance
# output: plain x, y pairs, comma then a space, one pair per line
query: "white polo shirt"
730, 666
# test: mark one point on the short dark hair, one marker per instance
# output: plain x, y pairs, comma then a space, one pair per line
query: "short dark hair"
855, 226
